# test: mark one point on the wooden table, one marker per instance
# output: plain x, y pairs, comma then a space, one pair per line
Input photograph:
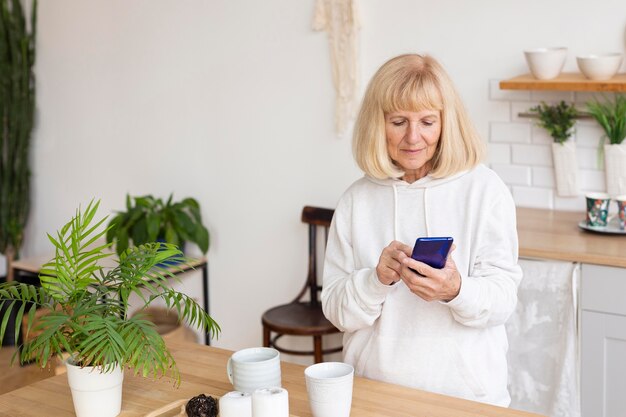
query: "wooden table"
203, 370
551, 234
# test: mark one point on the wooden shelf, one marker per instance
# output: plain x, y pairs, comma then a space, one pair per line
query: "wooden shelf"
567, 81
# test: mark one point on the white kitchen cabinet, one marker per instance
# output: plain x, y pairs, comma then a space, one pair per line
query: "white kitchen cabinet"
603, 332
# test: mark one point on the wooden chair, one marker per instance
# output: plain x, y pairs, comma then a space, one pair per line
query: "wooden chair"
304, 317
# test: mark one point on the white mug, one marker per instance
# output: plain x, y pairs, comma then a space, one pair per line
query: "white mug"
254, 368
329, 387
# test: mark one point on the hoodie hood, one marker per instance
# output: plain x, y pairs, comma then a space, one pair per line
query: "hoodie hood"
424, 183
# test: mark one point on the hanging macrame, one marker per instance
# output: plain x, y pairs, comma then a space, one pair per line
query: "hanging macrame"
339, 18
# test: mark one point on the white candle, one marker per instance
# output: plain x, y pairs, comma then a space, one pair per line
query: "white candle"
236, 404
270, 402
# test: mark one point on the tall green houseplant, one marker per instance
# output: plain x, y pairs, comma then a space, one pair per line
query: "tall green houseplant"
17, 108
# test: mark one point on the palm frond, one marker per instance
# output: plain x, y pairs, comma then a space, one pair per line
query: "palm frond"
154, 359
189, 310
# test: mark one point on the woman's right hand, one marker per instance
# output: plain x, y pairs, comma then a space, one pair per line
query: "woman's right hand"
390, 262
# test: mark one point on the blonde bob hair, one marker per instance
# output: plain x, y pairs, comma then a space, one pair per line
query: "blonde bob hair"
414, 83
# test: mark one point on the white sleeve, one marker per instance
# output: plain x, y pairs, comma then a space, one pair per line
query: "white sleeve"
352, 298
489, 295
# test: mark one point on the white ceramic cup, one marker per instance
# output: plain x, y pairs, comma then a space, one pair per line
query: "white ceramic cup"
254, 368
329, 387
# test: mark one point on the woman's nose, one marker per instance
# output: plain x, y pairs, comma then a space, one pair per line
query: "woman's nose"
413, 134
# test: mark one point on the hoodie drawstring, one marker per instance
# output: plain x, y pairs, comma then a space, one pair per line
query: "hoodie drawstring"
395, 212
426, 211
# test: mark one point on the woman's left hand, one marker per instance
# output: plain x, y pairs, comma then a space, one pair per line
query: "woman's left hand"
430, 283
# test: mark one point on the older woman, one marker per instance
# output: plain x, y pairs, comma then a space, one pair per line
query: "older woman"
405, 322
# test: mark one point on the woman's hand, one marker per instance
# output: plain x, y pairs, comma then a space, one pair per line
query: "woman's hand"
430, 283
389, 265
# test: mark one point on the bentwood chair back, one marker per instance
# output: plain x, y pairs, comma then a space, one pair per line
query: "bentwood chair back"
303, 316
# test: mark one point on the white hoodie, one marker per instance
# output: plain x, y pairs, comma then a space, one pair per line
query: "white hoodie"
456, 348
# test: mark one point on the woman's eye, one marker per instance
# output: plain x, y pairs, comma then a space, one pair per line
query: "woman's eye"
428, 123
398, 122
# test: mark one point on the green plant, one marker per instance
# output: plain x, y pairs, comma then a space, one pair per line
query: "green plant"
87, 303
150, 219
17, 108
557, 119
611, 116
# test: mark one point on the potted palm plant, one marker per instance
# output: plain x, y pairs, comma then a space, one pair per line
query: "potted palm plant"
149, 219
611, 116
86, 291
558, 120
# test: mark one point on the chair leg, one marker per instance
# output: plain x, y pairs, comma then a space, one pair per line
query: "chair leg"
317, 349
266, 336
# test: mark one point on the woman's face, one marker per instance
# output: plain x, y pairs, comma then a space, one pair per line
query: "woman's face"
412, 139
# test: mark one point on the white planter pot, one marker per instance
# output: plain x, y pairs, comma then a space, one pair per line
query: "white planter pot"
95, 394
615, 169
565, 168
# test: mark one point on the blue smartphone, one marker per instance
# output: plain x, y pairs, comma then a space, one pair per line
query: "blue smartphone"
432, 251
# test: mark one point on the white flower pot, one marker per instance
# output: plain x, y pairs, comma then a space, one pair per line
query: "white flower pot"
615, 169
95, 394
565, 168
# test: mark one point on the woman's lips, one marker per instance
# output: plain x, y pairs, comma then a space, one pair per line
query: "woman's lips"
412, 151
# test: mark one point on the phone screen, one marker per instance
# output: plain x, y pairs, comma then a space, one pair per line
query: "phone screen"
432, 251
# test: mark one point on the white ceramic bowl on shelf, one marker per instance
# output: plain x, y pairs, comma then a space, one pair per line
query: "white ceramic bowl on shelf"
599, 67
546, 63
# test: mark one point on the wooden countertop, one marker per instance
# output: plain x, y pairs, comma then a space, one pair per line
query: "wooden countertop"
551, 234
203, 370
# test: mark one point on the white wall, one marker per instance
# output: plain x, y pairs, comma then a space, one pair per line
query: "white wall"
231, 102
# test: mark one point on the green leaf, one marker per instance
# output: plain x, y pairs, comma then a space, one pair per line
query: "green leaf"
202, 239
558, 119
611, 116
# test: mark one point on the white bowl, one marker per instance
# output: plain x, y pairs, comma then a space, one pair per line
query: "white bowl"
599, 67
546, 63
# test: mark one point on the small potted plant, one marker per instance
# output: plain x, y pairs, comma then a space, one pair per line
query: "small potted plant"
149, 219
85, 293
558, 120
611, 116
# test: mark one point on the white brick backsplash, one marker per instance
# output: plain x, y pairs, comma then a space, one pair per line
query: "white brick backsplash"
520, 152
582, 97
570, 203
518, 107
587, 158
509, 132
588, 135
533, 197
540, 136
592, 180
506, 95
513, 175
543, 177
499, 111
499, 153
534, 155
552, 96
